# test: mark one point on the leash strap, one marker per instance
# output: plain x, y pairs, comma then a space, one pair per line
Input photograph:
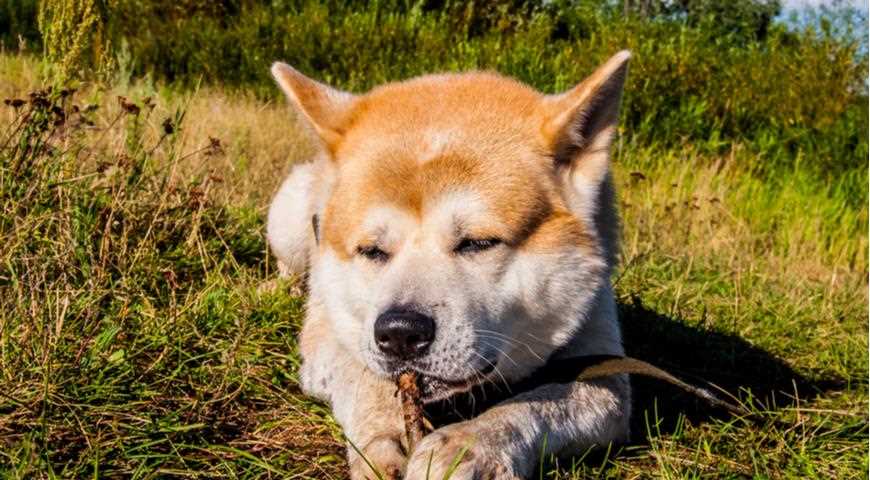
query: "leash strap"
566, 370
621, 365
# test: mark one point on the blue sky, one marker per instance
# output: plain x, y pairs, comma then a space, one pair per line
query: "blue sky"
798, 4
790, 7
859, 21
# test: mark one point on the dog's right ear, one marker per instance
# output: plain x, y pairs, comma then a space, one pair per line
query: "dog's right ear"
324, 107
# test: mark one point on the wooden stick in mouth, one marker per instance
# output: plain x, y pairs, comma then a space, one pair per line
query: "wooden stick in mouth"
412, 408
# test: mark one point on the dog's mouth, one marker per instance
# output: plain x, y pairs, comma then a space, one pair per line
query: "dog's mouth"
435, 388
434, 384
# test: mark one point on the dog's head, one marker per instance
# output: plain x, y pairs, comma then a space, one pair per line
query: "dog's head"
465, 222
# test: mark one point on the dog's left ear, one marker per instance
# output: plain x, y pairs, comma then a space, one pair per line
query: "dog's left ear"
580, 125
325, 108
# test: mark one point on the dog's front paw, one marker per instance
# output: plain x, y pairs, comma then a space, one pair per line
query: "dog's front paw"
382, 459
457, 452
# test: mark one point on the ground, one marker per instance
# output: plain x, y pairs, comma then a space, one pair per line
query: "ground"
137, 340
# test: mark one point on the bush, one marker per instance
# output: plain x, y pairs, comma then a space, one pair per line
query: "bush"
18, 23
699, 76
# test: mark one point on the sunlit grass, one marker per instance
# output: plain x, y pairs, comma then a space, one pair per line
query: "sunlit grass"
135, 340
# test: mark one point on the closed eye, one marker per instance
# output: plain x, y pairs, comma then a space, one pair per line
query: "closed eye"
469, 246
373, 253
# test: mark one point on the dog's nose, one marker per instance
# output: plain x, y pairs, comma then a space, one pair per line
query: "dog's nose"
403, 333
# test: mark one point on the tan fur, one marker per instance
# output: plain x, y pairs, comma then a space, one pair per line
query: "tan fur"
413, 168
485, 153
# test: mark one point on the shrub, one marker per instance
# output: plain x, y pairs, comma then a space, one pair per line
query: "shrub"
706, 73
18, 23
791, 95
75, 37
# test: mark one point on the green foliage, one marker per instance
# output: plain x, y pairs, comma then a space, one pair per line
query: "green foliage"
74, 36
746, 19
788, 95
18, 23
709, 73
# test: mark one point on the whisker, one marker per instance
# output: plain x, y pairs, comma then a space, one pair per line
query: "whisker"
500, 334
513, 342
495, 369
498, 370
533, 337
506, 355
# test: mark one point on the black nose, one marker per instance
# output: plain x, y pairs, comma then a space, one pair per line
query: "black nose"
404, 333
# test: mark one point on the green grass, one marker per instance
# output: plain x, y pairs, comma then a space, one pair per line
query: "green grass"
136, 340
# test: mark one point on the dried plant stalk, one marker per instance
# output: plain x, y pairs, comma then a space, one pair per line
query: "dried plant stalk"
412, 408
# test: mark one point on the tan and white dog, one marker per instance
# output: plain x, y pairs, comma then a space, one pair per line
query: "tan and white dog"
462, 226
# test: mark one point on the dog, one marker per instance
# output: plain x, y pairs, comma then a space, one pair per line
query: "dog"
461, 226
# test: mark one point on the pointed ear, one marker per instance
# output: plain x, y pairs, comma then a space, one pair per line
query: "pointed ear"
580, 123
324, 107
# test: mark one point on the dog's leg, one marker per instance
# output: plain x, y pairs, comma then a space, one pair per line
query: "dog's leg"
370, 414
507, 441
366, 406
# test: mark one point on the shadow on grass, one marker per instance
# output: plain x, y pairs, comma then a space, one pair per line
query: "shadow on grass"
696, 355
699, 355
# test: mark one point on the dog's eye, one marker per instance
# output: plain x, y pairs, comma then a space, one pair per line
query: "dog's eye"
373, 253
471, 245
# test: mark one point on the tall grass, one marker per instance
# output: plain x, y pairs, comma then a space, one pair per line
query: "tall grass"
128, 344
135, 340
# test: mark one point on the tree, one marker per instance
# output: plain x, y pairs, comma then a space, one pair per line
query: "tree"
745, 18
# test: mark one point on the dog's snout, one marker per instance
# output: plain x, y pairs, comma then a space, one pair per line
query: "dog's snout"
403, 333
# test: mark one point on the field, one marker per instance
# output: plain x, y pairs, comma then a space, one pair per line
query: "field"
142, 334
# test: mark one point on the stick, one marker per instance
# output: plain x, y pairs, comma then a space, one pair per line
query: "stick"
412, 408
